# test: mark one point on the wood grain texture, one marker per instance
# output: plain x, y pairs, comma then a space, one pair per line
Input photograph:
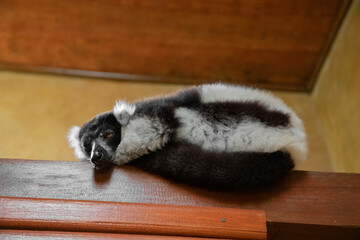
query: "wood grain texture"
278, 44
11, 234
321, 201
158, 219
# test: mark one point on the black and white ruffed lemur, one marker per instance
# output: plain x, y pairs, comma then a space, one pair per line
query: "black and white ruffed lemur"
213, 135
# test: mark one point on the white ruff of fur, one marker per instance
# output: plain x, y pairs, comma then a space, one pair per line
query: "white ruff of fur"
74, 141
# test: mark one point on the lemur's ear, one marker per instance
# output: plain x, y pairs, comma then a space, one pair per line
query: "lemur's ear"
74, 142
123, 111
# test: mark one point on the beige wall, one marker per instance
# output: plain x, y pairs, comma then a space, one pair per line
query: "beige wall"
337, 95
37, 110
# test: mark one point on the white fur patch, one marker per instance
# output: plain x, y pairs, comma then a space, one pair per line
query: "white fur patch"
123, 111
247, 136
223, 93
74, 142
92, 150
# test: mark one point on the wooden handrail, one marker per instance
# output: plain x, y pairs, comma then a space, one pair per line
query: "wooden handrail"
135, 218
306, 204
45, 235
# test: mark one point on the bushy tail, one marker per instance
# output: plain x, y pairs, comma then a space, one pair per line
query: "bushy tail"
190, 164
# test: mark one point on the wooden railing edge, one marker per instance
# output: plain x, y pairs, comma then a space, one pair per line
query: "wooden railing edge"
320, 205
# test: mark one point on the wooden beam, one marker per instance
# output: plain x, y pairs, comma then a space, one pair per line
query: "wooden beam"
36, 235
135, 218
307, 204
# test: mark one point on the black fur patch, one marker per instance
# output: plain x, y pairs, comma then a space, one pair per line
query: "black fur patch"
240, 170
228, 111
164, 108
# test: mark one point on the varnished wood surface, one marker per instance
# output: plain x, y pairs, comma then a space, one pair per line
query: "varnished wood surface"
11, 234
279, 44
305, 203
135, 218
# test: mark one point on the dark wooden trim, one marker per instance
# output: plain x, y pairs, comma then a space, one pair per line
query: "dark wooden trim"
310, 204
100, 75
138, 77
291, 231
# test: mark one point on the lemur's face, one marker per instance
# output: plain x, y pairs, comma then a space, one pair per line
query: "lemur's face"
97, 140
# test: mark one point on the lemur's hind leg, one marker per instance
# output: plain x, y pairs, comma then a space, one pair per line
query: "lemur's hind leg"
189, 163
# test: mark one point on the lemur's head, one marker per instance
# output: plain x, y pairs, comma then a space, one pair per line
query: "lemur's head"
97, 140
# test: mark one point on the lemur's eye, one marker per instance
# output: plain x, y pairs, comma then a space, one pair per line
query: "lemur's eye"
109, 135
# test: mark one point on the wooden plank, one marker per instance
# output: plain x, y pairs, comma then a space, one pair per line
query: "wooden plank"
279, 231
321, 201
158, 219
7, 234
263, 43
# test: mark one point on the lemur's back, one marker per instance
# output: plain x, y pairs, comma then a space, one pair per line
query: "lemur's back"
230, 118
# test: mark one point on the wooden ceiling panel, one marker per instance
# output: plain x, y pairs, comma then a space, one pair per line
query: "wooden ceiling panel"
277, 44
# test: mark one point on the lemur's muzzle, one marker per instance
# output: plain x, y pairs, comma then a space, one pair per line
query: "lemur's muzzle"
100, 158
97, 157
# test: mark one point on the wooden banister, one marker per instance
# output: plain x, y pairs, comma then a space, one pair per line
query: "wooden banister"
134, 218
306, 205
46, 235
